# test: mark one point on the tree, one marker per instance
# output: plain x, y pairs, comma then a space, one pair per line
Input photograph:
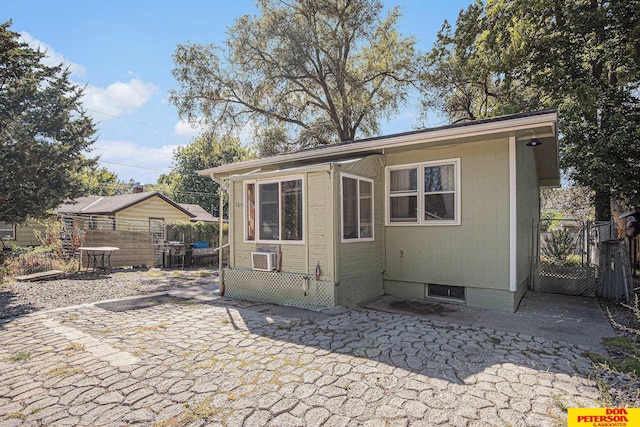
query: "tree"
575, 55
100, 181
566, 203
184, 185
43, 132
321, 71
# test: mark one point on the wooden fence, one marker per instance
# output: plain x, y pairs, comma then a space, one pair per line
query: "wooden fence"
136, 247
615, 280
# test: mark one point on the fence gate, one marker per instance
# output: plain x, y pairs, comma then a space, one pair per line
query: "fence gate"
158, 230
564, 262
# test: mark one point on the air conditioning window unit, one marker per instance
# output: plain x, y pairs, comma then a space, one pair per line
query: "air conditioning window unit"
263, 261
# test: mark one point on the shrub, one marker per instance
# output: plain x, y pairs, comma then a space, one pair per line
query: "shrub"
558, 246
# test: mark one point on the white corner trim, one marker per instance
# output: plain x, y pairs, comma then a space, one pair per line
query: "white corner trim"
513, 247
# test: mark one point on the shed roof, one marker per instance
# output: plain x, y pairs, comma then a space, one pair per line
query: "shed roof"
523, 126
200, 213
106, 205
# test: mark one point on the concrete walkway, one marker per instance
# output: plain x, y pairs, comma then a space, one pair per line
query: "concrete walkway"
577, 320
237, 363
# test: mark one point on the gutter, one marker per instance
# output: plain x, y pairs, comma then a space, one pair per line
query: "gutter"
398, 140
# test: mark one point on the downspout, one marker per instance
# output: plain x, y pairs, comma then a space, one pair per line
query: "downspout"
305, 204
335, 240
220, 231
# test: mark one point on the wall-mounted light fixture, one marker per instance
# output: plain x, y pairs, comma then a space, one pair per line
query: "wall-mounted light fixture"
534, 142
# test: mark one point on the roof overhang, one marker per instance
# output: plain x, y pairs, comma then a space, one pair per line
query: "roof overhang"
541, 124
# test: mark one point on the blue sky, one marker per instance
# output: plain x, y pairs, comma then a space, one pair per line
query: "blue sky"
121, 50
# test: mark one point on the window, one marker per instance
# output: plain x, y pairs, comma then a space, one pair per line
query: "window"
7, 231
250, 211
357, 208
425, 194
275, 208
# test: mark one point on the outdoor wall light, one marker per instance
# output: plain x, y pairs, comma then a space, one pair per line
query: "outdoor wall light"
534, 142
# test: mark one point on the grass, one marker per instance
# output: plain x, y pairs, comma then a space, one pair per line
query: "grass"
628, 365
625, 355
152, 328
203, 273
20, 356
70, 318
622, 343
182, 302
64, 371
140, 351
15, 416
74, 347
201, 411
495, 341
286, 326
539, 352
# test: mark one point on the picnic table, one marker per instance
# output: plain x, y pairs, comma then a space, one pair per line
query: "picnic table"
98, 257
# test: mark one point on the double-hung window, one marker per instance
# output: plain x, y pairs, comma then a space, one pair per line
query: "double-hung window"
274, 210
357, 208
424, 193
7, 231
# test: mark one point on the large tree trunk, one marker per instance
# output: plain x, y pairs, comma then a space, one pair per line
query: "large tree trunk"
602, 201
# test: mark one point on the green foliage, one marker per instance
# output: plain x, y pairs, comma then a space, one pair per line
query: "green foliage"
626, 348
43, 132
575, 55
569, 203
316, 71
184, 185
101, 182
558, 246
549, 220
199, 230
18, 357
50, 255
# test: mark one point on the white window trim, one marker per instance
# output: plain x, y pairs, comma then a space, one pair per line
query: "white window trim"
373, 227
420, 194
257, 201
14, 232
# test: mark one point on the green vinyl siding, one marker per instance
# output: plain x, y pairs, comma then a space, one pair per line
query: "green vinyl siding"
362, 256
491, 299
361, 263
472, 254
296, 257
527, 213
319, 231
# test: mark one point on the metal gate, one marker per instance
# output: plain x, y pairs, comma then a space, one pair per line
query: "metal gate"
564, 261
158, 230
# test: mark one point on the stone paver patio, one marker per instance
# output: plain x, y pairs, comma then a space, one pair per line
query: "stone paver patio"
225, 362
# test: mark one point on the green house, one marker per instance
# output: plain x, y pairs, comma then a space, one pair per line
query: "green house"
446, 213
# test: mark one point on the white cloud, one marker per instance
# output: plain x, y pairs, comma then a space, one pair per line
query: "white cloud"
129, 160
104, 103
52, 58
185, 129
118, 98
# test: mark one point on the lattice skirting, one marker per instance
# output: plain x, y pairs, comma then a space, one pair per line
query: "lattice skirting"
567, 280
358, 288
279, 288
